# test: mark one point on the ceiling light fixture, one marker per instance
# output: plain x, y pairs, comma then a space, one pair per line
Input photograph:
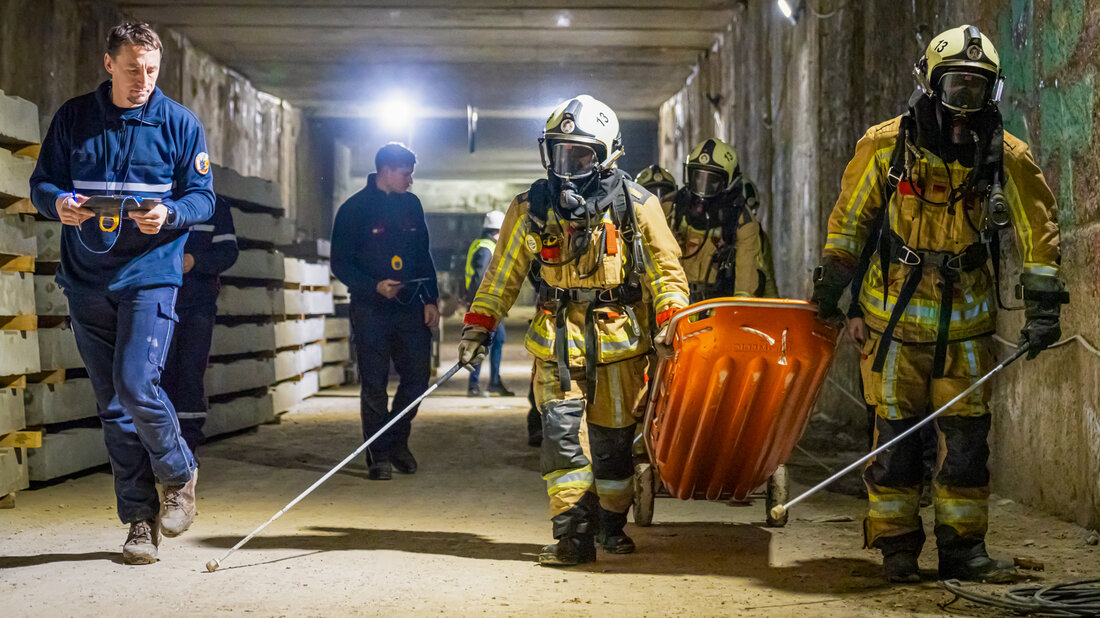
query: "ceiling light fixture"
788, 12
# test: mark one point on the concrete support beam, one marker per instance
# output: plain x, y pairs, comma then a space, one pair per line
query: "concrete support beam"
247, 188
298, 302
57, 350
331, 375
299, 332
292, 363
48, 240
15, 175
49, 299
258, 264
239, 301
290, 394
239, 413
12, 412
17, 235
16, 294
258, 227
243, 339
57, 403
337, 351
67, 452
20, 352
337, 328
13, 470
18, 122
240, 375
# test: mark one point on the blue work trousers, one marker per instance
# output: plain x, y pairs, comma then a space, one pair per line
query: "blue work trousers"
496, 348
123, 338
383, 335
185, 370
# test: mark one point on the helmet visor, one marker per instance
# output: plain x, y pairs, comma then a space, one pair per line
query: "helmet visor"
963, 91
572, 160
660, 190
705, 183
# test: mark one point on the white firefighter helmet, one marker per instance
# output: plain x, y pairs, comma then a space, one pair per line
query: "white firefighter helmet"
961, 69
581, 137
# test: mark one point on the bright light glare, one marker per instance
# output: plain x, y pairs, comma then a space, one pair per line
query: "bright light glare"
564, 19
396, 113
784, 8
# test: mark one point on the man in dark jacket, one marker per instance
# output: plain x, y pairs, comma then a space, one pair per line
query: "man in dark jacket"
380, 250
211, 249
139, 160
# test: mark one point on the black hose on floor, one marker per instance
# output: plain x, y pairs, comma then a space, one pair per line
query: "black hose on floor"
1072, 599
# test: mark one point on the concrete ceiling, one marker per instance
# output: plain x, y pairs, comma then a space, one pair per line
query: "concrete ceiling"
336, 57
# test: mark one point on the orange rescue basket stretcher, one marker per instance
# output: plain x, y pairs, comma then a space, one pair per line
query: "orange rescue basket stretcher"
730, 404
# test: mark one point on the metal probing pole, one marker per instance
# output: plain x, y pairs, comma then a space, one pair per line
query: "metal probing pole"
214, 564
780, 509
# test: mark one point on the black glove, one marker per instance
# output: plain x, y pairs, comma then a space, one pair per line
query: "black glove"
1043, 296
830, 279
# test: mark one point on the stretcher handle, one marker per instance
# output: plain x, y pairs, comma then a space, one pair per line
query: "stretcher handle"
779, 510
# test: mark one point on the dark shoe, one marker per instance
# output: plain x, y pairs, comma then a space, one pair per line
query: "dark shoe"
975, 565
901, 567
380, 471
177, 510
499, 389
611, 536
569, 551
141, 544
403, 460
473, 391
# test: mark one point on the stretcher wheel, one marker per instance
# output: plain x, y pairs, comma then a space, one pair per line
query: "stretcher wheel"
779, 489
644, 493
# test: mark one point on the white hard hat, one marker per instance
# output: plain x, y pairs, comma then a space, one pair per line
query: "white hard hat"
493, 220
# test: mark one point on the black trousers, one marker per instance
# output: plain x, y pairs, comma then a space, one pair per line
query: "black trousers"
385, 335
185, 369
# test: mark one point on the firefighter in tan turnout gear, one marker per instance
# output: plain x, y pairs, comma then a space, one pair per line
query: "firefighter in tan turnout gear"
717, 233
599, 239
938, 183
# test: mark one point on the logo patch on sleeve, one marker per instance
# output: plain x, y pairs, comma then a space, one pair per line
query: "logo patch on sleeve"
202, 163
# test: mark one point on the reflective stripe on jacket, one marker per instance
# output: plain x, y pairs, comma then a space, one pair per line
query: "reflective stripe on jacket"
934, 228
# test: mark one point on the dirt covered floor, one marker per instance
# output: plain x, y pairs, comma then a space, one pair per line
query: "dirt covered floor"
460, 537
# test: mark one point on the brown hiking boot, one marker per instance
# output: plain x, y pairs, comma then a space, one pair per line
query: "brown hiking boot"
141, 544
178, 508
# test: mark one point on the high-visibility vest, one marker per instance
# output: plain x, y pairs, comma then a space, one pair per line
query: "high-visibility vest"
487, 243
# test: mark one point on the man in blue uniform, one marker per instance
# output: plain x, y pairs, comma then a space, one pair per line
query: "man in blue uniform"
380, 250
211, 249
121, 270
478, 257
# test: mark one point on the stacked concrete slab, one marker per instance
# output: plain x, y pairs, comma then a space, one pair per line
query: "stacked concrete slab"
307, 299
250, 307
19, 343
339, 367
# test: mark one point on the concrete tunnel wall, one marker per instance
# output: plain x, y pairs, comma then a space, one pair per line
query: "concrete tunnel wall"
52, 50
795, 99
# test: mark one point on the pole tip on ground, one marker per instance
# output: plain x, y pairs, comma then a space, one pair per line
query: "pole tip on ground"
212, 565
778, 511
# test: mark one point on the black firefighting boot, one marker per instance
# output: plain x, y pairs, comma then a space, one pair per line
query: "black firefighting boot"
899, 557
610, 534
966, 559
576, 541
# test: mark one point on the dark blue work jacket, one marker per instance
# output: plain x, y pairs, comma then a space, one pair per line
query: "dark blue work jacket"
157, 150
377, 236
214, 246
